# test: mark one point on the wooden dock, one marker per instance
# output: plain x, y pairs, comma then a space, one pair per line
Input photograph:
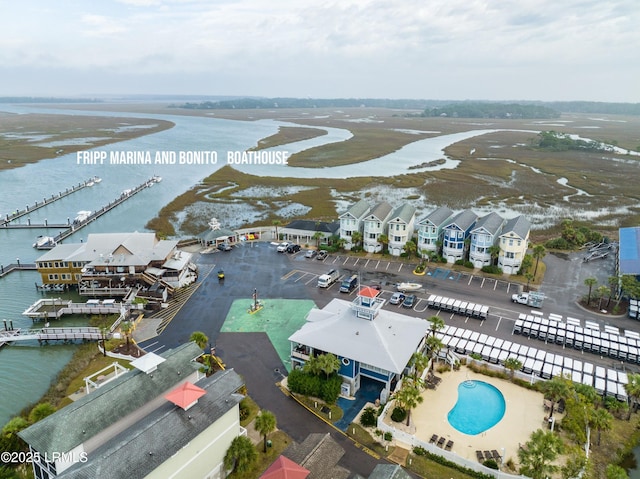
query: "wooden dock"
54, 334
39, 204
55, 308
124, 196
5, 270
7, 335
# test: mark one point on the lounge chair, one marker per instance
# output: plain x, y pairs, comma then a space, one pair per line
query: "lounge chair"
495, 454
487, 455
433, 439
449, 445
480, 456
441, 441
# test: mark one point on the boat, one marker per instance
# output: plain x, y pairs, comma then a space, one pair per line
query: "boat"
404, 287
90, 182
44, 241
81, 216
96, 179
156, 179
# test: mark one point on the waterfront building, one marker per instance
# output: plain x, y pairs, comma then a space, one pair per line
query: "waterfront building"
309, 232
430, 230
375, 225
162, 419
514, 242
372, 343
455, 235
351, 221
484, 236
400, 228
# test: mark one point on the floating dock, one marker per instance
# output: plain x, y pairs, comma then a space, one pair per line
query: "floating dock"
55, 308
54, 334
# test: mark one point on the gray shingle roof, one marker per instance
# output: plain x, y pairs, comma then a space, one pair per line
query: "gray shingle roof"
389, 471
319, 454
152, 440
518, 225
438, 216
310, 225
490, 223
463, 220
93, 413
357, 210
381, 211
404, 213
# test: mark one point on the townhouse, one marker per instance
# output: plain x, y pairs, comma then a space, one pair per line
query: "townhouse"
430, 230
484, 236
514, 242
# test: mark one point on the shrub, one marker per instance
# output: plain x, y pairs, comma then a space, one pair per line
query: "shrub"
491, 269
399, 414
311, 385
459, 262
368, 417
419, 451
468, 264
388, 436
491, 464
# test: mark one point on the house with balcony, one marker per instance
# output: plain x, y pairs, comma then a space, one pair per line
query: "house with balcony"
400, 228
111, 263
430, 230
351, 222
455, 234
514, 242
484, 236
374, 345
374, 225
160, 419
309, 232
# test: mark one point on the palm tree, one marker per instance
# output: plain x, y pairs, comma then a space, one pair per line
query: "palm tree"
265, 423
540, 451
241, 454
410, 247
276, 223
555, 389
632, 389
601, 292
590, 283
383, 239
200, 339
418, 362
538, 253
408, 397
356, 238
126, 328
600, 420
512, 364
328, 364
494, 251
318, 235
435, 345
437, 323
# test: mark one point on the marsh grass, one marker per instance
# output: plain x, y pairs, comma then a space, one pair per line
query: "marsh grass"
288, 134
16, 152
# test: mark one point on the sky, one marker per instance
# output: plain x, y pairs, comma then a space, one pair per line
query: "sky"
425, 49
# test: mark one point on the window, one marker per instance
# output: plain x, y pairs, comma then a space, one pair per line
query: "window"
53, 276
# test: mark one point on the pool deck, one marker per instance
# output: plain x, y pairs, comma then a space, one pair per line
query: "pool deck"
524, 414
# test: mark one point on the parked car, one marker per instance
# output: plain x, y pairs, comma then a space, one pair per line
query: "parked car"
321, 255
293, 248
396, 298
224, 247
282, 247
409, 301
311, 253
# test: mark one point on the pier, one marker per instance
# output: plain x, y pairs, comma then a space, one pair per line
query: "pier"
54, 334
5, 270
4, 222
55, 308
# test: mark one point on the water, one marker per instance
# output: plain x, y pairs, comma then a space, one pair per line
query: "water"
480, 406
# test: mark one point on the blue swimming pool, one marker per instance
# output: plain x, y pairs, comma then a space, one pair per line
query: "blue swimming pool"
480, 406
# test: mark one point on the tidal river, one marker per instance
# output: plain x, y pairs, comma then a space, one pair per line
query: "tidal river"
26, 370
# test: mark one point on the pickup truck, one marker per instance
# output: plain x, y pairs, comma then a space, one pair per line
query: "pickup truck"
533, 299
326, 280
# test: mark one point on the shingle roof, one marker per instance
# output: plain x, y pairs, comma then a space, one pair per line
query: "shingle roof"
404, 213
357, 210
310, 225
387, 342
389, 471
490, 223
463, 220
93, 413
381, 211
318, 453
518, 225
156, 437
438, 216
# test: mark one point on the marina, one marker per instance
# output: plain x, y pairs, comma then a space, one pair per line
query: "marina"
54, 334
55, 308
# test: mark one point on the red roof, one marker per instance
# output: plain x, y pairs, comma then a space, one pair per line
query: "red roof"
369, 292
185, 395
284, 468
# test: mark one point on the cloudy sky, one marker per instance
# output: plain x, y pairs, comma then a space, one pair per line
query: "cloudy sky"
436, 49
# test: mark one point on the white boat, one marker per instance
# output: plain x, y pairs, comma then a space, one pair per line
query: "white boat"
156, 179
96, 179
81, 216
404, 287
44, 241
90, 183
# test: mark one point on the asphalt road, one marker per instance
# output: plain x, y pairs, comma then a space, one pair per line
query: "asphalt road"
292, 276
